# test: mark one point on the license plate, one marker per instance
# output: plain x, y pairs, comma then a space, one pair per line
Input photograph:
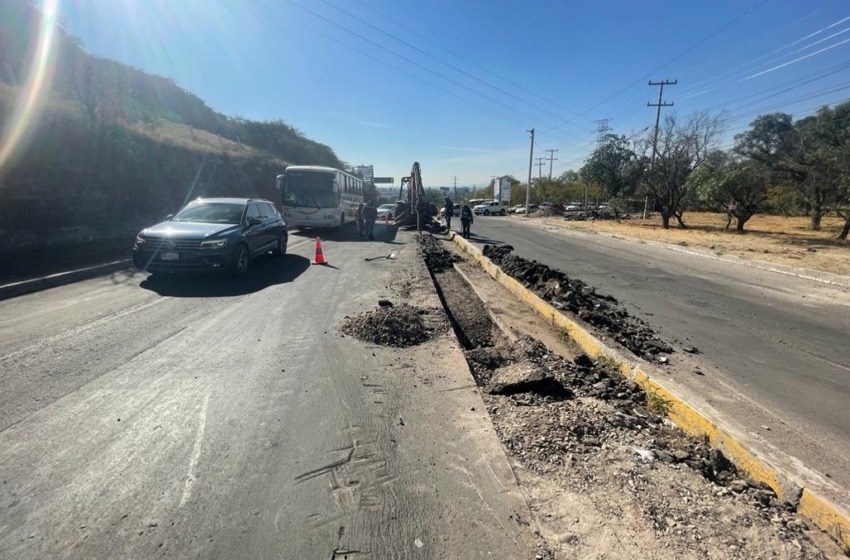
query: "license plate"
170, 256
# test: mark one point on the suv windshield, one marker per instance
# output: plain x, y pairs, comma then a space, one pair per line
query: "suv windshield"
211, 212
309, 189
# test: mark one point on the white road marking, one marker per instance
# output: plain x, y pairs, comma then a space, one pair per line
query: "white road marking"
196, 453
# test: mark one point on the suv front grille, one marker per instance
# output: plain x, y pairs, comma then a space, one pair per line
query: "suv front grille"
171, 244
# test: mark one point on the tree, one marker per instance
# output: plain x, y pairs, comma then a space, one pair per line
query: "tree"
614, 167
681, 148
809, 156
732, 184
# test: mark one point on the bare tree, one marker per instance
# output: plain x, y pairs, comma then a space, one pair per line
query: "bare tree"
681, 148
88, 89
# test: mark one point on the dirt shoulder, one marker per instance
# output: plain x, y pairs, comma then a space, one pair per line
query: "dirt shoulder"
771, 239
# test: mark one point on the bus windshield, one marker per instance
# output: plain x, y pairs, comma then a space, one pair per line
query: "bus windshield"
306, 189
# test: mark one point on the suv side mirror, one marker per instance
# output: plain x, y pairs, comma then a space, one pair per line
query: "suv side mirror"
253, 220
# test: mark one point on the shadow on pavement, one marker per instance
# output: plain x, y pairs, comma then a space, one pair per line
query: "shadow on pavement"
264, 272
382, 232
484, 240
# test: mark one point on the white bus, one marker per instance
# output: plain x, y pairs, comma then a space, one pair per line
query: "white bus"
315, 196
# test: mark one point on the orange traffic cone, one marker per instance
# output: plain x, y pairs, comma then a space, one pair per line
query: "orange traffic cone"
320, 257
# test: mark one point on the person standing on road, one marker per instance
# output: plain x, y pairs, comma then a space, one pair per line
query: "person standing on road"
360, 228
465, 221
449, 210
370, 214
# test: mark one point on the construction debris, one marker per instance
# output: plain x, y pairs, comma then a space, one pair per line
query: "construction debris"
389, 325
601, 311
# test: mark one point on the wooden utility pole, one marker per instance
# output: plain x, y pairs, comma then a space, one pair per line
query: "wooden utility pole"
658, 106
552, 159
540, 163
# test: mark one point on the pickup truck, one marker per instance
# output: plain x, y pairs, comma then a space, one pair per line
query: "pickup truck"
491, 207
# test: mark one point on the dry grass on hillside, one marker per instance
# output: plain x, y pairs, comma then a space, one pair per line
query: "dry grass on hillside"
191, 138
164, 131
768, 238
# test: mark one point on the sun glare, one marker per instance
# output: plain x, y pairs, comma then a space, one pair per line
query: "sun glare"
35, 90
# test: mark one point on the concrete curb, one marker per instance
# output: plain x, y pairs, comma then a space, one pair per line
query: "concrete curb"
797, 272
758, 462
59, 279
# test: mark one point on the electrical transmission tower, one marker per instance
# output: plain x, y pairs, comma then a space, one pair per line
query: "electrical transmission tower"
602, 130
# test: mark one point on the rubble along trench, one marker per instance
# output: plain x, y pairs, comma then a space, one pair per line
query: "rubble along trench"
578, 423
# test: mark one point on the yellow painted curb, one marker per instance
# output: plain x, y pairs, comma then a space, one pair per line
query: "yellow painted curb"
830, 517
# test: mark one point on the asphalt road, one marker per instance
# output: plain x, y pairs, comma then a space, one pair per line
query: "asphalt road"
782, 343
219, 418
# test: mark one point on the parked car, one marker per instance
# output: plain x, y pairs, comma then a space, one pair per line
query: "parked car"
455, 210
532, 208
385, 211
491, 207
573, 207
212, 234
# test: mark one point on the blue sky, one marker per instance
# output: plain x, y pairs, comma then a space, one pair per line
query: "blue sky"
474, 74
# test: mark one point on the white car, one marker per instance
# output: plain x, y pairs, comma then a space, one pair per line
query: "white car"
573, 208
491, 207
386, 210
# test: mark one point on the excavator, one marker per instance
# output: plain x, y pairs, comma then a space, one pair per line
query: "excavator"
412, 208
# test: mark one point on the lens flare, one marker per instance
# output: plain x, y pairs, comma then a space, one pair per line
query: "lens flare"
36, 88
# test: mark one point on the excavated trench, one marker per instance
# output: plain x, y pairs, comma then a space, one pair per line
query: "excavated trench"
571, 419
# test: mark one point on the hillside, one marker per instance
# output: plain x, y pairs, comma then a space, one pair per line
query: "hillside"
114, 147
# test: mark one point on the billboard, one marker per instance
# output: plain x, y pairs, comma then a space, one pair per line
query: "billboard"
503, 190
383, 180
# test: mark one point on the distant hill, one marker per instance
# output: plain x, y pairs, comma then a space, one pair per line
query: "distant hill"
115, 147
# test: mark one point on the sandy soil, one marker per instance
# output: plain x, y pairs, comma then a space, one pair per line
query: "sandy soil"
768, 238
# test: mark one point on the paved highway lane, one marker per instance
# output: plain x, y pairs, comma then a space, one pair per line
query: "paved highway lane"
781, 343
214, 418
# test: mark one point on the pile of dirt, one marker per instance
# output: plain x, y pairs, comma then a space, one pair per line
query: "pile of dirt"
390, 325
565, 293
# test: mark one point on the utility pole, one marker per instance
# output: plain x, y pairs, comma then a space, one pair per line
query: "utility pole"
658, 106
552, 158
530, 162
455, 191
540, 163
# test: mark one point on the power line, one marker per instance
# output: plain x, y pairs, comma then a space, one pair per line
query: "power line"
405, 72
737, 18
409, 60
413, 31
443, 62
687, 91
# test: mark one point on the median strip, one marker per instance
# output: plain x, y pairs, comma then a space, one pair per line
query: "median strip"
799, 487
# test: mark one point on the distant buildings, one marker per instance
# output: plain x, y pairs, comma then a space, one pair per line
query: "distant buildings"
365, 171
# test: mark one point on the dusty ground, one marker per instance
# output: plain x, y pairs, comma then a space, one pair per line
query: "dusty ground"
604, 474
768, 238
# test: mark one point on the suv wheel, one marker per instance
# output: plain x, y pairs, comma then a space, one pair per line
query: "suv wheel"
280, 249
486, 212
241, 258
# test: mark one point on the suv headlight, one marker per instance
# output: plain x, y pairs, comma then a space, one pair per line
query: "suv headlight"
213, 244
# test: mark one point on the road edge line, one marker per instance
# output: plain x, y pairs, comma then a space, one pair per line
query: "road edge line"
811, 274
832, 518
15, 289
